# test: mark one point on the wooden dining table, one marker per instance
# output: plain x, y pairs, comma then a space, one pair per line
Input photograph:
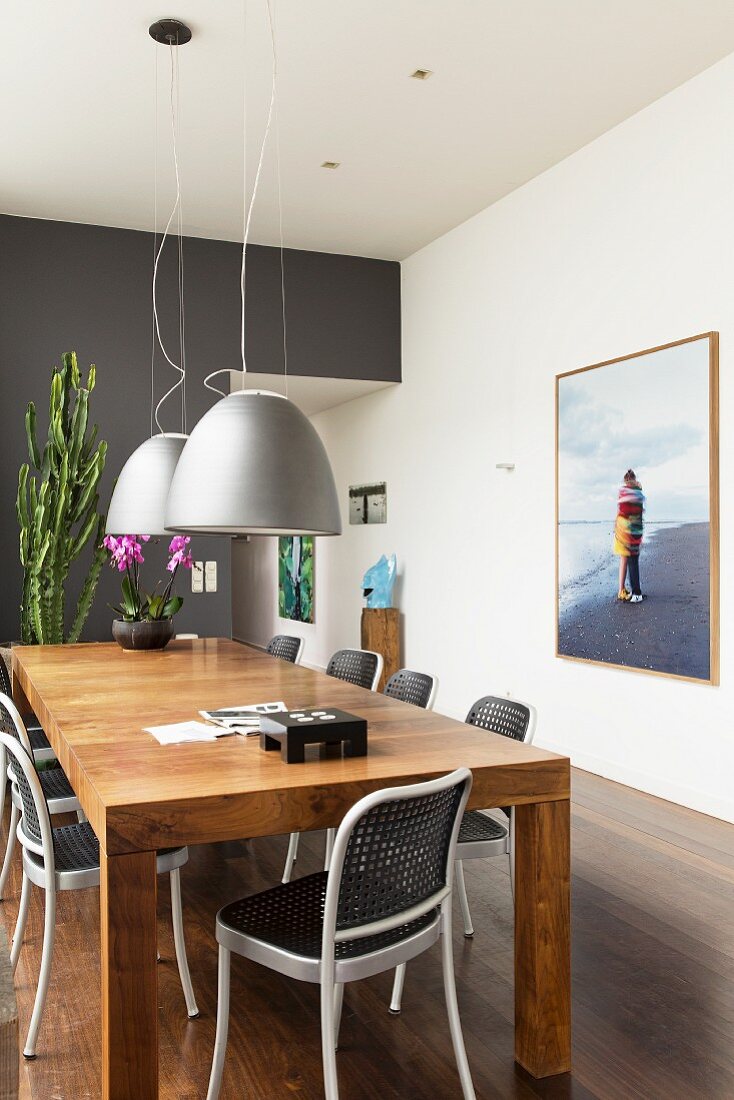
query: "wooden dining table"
94, 701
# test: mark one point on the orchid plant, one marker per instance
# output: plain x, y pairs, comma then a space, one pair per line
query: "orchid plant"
126, 555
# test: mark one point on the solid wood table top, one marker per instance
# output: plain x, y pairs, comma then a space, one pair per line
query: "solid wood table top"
94, 701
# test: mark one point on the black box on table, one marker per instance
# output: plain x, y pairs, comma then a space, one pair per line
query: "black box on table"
291, 731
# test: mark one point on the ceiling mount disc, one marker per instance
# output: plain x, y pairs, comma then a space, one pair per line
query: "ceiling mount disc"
170, 32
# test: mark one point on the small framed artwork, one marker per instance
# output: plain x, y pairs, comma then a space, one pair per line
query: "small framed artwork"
368, 503
637, 511
296, 578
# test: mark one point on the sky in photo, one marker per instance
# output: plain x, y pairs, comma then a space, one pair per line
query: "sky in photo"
650, 413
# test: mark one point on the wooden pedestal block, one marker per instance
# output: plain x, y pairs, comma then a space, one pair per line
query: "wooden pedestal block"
381, 633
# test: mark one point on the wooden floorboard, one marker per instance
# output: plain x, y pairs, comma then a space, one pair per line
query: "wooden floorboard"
653, 978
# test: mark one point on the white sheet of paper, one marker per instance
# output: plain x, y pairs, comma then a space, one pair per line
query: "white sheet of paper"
180, 732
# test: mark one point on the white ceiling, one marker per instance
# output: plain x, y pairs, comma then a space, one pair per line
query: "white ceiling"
518, 85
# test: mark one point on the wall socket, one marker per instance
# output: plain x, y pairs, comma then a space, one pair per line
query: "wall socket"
210, 576
197, 577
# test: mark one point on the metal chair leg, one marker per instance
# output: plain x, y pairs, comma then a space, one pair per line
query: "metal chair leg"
49, 932
330, 835
452, 1007
3, 775
463, 899
397, 990
180, 943
338, 1005
328, 1054
8, 860
19, 933
291, 857
220, 1041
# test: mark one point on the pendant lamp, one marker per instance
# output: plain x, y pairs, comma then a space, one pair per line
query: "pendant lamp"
139, 498
254, 464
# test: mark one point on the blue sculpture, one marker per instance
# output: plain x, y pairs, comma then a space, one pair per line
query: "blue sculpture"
378, 581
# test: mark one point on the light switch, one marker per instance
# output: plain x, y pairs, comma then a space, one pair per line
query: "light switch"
197, 577
210, 576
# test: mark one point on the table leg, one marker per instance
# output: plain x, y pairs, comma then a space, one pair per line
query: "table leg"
129, 977
543, 938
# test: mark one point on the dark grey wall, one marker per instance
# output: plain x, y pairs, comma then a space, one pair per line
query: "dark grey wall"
87, 288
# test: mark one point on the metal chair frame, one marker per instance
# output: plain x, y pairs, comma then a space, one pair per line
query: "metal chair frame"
399, 687
502, 844
292, 853
332, 973
274, 643
347, 653
60, 798
42, 750
39, 869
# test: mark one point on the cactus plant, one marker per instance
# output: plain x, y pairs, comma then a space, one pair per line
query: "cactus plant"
58, 509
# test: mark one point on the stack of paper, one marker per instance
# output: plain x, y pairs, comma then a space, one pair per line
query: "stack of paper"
242, 719
180, 732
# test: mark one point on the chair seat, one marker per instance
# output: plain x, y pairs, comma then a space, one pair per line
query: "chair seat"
55, 784
476, 825
76, 849
36, 735
289, 918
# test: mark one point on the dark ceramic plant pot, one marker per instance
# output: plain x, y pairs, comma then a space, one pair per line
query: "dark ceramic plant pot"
155, 635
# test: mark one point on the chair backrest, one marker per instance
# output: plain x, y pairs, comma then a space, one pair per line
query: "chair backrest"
36, 832
357, 666
393, 858
12, 723
500, 714
287, 647
417, 688
5, 685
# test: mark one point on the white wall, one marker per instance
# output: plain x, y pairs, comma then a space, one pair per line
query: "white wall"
625, 245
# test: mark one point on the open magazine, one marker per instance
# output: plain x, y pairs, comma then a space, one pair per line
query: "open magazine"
242, 719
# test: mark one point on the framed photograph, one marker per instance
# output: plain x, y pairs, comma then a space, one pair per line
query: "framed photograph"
637, 511
296, 578
368, 503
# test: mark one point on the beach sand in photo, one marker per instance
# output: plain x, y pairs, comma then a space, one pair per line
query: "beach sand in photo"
670, 630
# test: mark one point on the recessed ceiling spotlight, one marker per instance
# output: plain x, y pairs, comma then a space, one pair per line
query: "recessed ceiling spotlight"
421, 74
331, 164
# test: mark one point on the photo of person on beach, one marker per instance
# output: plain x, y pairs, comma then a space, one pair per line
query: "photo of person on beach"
628, 528
643, 420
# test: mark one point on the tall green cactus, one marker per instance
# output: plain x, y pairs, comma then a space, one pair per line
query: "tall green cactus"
57, 510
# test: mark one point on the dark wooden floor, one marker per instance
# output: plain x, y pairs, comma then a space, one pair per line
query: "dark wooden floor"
653, 961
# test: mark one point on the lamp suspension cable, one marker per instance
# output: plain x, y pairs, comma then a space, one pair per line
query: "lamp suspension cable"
176, 206
280, 208
247, 209
181, 305
155, 230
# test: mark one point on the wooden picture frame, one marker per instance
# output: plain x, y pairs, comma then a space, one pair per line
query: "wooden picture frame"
683, 588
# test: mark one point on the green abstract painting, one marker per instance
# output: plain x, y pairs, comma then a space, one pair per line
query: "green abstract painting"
295, 578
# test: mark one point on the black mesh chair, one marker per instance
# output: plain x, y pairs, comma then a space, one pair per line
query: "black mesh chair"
417, 688
287, 647
481, 834
361, 667
385, 900
57, 790
67, 858
42, 750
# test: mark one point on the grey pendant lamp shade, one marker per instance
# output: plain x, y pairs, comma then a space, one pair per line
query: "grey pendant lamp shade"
255, 465
139, 500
